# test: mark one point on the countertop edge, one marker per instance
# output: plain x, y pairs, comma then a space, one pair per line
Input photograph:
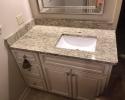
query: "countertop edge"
112, 63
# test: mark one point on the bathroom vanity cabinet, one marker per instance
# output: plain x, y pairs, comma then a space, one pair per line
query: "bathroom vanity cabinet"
72, 73
67, 76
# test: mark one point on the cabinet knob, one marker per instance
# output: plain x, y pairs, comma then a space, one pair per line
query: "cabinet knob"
24, 56
29, 69
34, 83
73, 75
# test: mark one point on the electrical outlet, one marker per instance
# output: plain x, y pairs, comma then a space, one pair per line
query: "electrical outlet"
20, 19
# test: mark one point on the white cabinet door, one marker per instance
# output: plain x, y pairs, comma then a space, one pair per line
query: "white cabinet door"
58, 79
73, 78
85, 85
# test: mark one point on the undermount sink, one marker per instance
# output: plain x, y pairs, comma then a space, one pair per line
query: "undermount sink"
83, 43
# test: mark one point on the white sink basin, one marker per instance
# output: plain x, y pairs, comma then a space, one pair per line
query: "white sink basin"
77, 42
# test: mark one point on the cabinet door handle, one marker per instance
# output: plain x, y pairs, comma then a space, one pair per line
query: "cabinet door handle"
68, 78
26, 64
67, 73
74, 75
75, 85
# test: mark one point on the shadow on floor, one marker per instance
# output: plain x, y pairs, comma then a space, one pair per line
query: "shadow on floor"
116, 87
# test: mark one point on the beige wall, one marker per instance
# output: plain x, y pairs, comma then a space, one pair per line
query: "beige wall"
11, 82
111, 12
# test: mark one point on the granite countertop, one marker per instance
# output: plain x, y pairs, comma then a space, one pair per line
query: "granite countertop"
44, 38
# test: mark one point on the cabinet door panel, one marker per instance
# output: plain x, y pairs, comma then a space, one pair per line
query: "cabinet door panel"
30, 56
84, 86
58, 79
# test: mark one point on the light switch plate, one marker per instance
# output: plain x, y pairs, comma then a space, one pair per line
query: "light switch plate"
20, 19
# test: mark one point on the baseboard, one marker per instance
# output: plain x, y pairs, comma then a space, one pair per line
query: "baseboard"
25, 93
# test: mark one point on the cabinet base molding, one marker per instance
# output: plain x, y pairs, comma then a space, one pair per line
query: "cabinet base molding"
25, 93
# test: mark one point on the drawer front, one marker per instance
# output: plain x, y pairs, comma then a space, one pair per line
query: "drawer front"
34, 71
30, 56
57, 67
86, 65
35, 83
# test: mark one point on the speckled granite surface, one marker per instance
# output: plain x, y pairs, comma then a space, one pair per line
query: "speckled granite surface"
44, 38
75, 23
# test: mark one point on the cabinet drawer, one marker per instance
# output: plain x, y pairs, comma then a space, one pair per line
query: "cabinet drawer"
35, 83
30, 56
86, 65
34, 71
57, 67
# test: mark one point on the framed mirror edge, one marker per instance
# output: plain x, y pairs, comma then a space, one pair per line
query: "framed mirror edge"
41, 7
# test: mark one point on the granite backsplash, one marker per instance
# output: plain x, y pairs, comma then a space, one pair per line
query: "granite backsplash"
75, 23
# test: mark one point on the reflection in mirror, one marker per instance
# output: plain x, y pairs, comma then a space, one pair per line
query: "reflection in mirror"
71, 6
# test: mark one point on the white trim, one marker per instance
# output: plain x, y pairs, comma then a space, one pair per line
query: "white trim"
25, 93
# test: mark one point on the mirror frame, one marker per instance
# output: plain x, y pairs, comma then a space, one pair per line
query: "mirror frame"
99, 9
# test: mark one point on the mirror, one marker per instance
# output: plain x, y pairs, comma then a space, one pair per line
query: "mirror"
71, 6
